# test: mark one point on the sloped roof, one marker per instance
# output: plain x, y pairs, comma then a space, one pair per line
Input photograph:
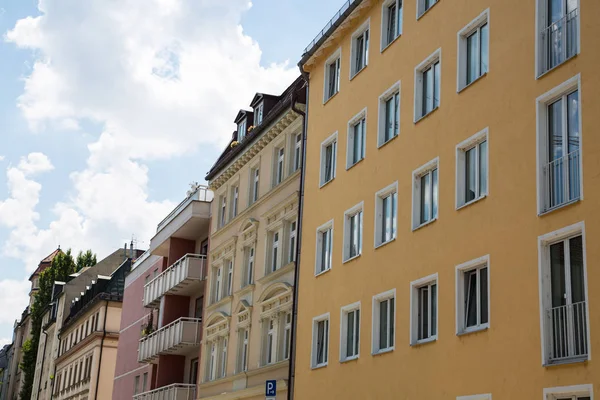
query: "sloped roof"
45, 263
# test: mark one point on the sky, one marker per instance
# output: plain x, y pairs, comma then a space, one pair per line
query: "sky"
109, 109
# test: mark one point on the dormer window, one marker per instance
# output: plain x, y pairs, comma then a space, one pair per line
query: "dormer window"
258, 114
241, 130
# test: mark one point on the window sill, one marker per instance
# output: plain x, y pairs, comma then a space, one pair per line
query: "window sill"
319, 366
384, 48
426, 115
330, 97
322, 272
347, 260
349, 359
475, 329
471, 202
384, 351
556, 66
248, 288
424, 224
380, 145
377, 246
472, 83
359, 71
572, 360
426, 11
424, 341
326, 182
348, 167
550, 210
219, 303
271, 276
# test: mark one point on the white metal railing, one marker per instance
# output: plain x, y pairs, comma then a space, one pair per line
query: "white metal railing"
559, 41
562, 180
176, 391
199, 193
181, 333
568, 331
188, 267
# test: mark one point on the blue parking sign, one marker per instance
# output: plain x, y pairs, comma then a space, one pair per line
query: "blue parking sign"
271, 388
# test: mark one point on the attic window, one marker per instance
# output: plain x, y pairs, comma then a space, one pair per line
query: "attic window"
258, 114
241, 130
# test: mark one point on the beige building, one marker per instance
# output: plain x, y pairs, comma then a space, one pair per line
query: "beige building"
247, 329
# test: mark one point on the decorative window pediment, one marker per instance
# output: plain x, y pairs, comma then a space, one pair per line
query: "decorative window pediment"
275, 299
243, 313
217, 326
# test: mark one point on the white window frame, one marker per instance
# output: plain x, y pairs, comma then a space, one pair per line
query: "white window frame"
273, 335
357, 210
331, 140
365, 27
222, 210
278, 164
389, 190
344, 311
244, 347
385, 15
586, 390
416, 193
362, 114
274, 250
254, 187
217, 290
313, 358
258, 113
541, 23
425, 65
421, 10
544, 242
242, 129
223, 358
249, 265
460, 295
318, 253
487, 396
287, 335
213, 360
542, 103
415, 286
292, 240
235, 201
462, 35
296, 156
375, 345
229, 282
461, 149
382, 121
336, 57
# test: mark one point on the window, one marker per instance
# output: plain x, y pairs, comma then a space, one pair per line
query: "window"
332, 75
223, 360
136, 385
258, 114
223, 211
424, 5
472, 169
424, 306
563, 296
229, 265
249, 263
235, 195
391, 22
360, 49
357, 131
244, 336
193, 373
384, 321
287, 336
274, 253
324, 247
427, 85
353, 222
297, 152
558, 33
328, 159
254, 184
217, 283
559, 133
577, 392
292, 242
242, 130
473, 50
212, 363
389, 115
350, 332
425, 194
473, 305
271, 341
279, 165
386, 211
320, 342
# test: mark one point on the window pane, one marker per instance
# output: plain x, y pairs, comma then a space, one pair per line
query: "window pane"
350, 334
483, 284
555, 130
427, 91
394, 211
573, 120
383, 324
484, 46
356, 330
576, 260
391, 316
424, 312
396, 125
557, 274
391, 26
434, 309
470, 174
399, 18
434, 189
472, 55
436, 85
471, 298
425, 198
483, 168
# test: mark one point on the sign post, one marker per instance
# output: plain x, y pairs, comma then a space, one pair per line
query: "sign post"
271, 390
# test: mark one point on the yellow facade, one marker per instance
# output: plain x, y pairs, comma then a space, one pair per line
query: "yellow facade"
505, 359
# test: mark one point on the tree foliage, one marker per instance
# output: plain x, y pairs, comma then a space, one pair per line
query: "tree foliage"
62, 266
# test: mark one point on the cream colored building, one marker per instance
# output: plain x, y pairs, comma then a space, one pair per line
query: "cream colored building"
247, 329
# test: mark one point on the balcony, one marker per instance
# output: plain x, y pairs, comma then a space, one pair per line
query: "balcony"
178, 279
180, 337
177, 391
562, 181
567, 330
559, 41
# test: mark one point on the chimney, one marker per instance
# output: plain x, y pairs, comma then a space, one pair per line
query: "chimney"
125, 250
132, 252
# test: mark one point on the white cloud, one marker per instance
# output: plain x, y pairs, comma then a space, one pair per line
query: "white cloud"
14, 298
1, 158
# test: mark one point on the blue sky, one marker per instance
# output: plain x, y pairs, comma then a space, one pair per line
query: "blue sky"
109, 108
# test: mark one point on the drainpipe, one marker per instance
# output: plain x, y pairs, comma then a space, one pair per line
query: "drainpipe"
43, 359
101, 348
292, 365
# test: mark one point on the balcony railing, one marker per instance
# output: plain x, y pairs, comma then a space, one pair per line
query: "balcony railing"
177, 391
568, 332
562, 181
175, 338
559, 41
189, 268
199, 193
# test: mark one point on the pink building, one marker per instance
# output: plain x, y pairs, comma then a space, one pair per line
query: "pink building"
161, 324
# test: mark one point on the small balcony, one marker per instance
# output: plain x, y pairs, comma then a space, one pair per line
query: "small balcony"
562, 181
567, 330
559, 41
177, 391
180, 337
178, 279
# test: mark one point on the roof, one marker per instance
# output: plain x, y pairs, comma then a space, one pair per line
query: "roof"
45, 263
284, 101
258, 98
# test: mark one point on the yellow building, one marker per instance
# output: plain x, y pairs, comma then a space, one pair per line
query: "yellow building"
449, 249
253, 238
